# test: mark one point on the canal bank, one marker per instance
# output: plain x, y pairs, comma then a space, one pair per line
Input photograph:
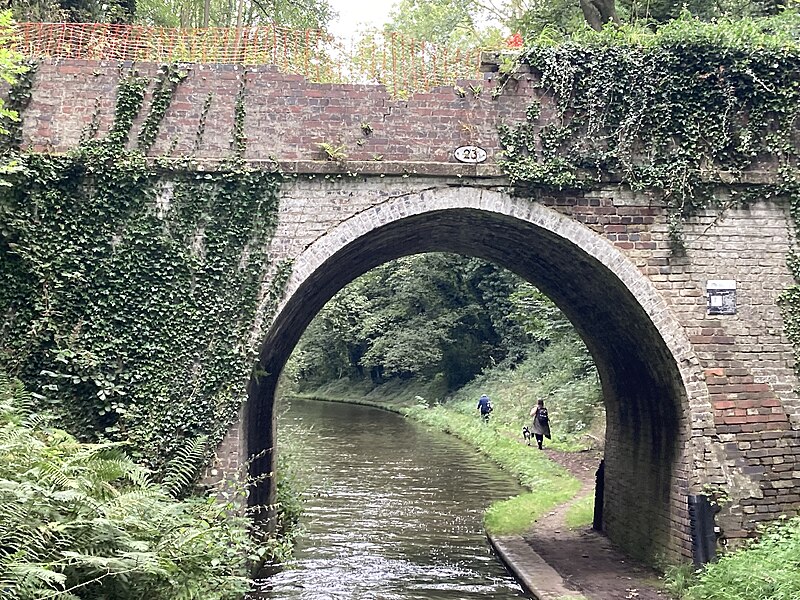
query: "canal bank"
538, 578
586, 567
551, 560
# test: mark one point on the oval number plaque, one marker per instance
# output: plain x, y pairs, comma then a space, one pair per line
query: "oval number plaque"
470, 154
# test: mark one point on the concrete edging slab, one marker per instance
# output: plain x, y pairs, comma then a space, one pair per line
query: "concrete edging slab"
540, 579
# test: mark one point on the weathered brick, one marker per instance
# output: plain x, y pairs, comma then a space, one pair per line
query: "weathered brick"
721, 387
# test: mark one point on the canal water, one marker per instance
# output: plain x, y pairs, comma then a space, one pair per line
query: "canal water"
394, 511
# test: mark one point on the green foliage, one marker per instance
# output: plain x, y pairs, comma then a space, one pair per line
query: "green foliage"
331, 152
131, 289
438, 21
292, 484
517, 515
239, 142
562, 374
12, 66
470, 23
312, 14
537, 19
428, 324
663, 11
201, 125
542, 20
74, 11
581, 512
767, 569
425, 316
665, 111
541, 319
17, 74
83, 521
167, 82
130, 95
678, 578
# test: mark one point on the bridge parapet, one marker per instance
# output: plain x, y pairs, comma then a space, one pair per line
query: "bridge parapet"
285, 117
300, 126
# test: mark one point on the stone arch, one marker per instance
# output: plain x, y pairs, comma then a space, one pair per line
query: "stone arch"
652, 381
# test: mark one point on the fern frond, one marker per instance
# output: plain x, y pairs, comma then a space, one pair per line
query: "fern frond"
34, 580
85, 521
183, 469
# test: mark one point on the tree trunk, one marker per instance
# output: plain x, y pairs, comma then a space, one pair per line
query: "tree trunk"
239, 13
599, 12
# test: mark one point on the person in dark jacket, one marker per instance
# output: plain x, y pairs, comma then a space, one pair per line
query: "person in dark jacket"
485, 407
541, 422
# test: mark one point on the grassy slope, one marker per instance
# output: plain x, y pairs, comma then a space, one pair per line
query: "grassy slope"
764, 570
581, 513
550, 483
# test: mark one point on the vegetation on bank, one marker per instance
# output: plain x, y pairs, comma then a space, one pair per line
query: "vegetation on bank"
448, 328
581, 512
81, 520
561, 373
766, 569
550, 484
553, 485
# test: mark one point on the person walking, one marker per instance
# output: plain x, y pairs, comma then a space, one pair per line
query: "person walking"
541, 422
485, 407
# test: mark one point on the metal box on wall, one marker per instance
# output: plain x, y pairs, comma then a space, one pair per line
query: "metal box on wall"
721, 296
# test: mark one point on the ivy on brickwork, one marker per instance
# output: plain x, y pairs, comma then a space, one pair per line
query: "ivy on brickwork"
167, 82
130, 288
666, 111
675, 112
130, 97
239, 141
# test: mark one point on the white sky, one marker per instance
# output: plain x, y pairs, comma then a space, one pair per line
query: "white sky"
353, 13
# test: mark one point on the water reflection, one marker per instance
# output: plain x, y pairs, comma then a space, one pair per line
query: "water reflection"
394, 511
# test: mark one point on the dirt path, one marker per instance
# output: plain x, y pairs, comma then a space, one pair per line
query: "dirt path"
585, 559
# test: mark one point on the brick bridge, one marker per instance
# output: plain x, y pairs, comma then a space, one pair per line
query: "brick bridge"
692, 399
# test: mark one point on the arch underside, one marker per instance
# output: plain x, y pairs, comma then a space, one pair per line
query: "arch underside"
642, 386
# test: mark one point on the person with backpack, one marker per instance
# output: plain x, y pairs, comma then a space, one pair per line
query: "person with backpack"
541, 422
485, 407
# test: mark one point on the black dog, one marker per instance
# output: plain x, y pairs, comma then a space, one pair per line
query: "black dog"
526, 435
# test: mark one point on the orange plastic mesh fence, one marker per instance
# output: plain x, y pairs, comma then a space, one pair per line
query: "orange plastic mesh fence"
402, 64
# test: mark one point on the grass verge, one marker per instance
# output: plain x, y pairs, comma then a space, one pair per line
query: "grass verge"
581, 513
550, 484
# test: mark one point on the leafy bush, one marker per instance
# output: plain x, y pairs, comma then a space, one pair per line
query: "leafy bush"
768, 569
292, 483
83, 521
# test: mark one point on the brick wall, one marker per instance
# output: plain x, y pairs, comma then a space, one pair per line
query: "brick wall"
604, 256
286, 117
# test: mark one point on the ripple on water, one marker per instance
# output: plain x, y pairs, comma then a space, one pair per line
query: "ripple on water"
394, 511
